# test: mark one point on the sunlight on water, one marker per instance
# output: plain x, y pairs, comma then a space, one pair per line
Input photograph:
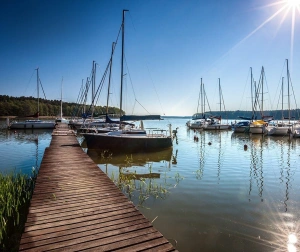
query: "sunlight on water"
292, 240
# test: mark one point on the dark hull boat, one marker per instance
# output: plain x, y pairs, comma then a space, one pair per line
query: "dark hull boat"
127, 141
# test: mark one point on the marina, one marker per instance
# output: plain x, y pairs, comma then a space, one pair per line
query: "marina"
132, 156
224, 191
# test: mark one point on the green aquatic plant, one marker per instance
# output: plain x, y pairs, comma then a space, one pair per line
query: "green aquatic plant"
15, 193
140, 187
135, 186
106, 154
178, 178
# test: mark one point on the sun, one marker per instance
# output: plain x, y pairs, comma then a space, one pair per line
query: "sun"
293, 3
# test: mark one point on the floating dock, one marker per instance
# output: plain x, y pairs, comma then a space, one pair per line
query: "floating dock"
76, 207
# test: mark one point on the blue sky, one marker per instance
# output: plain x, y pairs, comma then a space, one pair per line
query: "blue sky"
169, 47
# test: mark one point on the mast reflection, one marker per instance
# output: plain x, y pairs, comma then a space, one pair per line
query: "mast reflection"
201, 147
256, 164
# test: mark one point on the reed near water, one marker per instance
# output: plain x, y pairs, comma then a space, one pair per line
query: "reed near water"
15, 194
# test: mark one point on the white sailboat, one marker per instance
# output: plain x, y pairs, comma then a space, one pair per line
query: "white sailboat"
33, 123
60, 118
198, 119
283, 127
215, 122
126, 138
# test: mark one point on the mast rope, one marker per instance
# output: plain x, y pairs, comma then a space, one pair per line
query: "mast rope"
42, 88
29, 80
101, 84
155, 89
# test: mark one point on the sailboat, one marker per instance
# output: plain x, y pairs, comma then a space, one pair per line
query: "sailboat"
105, 125
260, 126
126, 138
33, 123
283, 128
215, 122
198, 119
60, 118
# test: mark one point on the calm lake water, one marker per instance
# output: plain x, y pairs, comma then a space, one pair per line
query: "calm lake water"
205, 195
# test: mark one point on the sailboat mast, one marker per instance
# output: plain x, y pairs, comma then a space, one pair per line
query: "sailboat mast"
262, 92
38, 91
86, 92
122, 61
110, 67
282, 99
61, 97
288, 79
201, 97
220, 95
252, 93
93, 87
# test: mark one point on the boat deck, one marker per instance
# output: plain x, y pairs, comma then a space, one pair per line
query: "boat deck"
76, 207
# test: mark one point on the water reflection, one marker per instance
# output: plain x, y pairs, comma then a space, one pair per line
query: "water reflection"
256, 163
128, 160
200, 139
285, 145
174, 158
259, 147
285, 167
219, 157
139, 175
23, 149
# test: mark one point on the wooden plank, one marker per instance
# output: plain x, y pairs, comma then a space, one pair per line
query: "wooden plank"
75, 206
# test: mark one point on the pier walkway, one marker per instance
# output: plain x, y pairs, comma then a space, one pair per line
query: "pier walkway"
76, 207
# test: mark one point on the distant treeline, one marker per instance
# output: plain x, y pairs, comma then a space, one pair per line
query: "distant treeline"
25, 106
277, 114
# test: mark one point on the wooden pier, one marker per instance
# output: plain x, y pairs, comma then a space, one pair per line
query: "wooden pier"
76, 207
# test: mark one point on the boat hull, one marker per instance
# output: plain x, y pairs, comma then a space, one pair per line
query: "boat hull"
195, 126
257, 130
296, 133
127, 144
216, 127
279, 131
32, 125
240, 129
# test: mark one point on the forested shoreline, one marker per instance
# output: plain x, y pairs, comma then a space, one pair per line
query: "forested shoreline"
25, 106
